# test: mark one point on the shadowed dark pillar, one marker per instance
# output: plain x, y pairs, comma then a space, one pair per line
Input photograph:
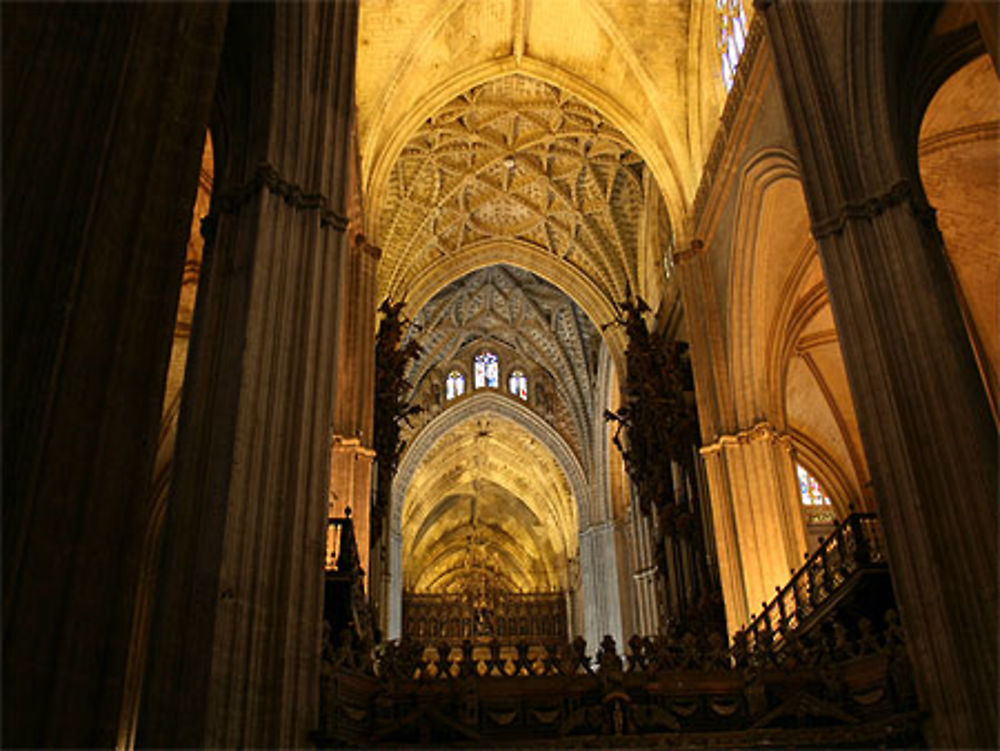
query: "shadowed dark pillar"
105, 110
925, 420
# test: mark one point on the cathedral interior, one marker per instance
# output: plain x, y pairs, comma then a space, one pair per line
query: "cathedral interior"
481, 373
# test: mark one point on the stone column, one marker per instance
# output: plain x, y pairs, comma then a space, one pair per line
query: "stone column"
759, 530
234, 651
352, 454
644, 571
393, 575
924, 417
599, 571
105, 117
708, 360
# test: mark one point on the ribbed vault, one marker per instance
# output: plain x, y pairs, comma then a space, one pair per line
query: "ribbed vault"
490, 500
515, 158
540, 331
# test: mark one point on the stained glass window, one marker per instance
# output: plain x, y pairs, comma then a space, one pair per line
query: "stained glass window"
518, 384
454, 385
487, 371
809, 487
732, 37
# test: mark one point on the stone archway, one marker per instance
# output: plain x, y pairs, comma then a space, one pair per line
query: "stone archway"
599, 584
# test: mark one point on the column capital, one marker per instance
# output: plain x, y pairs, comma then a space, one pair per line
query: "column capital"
351, 445
267, 177
761, 431
870, 207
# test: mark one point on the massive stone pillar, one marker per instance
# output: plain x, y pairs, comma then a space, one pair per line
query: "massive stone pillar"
234, 651
599, 574
924, 417
716, 412
105, 114
352, 453
760, 535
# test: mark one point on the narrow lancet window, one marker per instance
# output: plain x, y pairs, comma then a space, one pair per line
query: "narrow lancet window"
454, 385
487, 371
518, 384
809, 487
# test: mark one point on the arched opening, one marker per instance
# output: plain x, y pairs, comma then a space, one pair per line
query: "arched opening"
486, 507
549, 349
489, 529
959, 151
517, 384
791, 397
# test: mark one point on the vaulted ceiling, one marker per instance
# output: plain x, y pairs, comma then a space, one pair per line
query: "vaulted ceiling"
514, 159
559, 136
540, 329
489, 499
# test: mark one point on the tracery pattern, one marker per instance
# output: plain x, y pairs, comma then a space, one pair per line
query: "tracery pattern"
509, 306
515, 158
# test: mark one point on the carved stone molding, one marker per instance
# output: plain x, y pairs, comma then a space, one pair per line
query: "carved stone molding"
353, 445
762, 431
266, 176
869, 208
988, 131
370, 250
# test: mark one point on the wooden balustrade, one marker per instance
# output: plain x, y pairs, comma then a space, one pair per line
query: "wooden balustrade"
818, 691
855, 546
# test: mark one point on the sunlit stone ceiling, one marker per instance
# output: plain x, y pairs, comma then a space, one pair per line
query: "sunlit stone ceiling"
540, 329
489, 500
650, 66
515, 159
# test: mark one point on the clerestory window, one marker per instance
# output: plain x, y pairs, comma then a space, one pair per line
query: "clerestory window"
518, 384
809, 487
454, 385
486, 371
732, 37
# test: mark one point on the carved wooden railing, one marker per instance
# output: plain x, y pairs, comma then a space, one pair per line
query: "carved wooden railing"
855, 546
820, 690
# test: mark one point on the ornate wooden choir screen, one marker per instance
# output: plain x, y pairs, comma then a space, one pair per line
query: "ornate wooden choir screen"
505, 616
